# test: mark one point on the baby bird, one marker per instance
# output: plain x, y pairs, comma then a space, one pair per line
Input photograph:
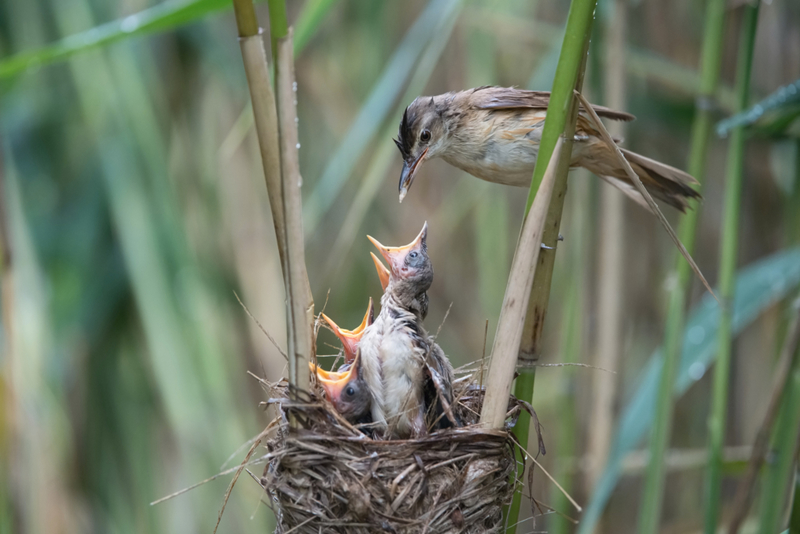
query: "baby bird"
420, 303
347, 391
396, 349
493, 133
350, 338
383, 272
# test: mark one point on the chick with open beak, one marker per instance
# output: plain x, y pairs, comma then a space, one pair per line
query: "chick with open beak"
410, 271
347, 391
350, 338
383, 272
398, 351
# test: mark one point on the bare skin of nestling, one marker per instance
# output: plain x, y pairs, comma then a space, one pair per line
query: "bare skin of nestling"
493, 133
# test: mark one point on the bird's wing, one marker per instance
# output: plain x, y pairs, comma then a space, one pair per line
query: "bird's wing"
511, 98
438, 389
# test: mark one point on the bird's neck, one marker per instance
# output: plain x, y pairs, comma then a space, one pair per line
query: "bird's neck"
402, 304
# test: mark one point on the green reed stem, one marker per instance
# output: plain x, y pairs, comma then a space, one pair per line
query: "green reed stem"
783, 454
711, 58
562, 113
523, 389
727, 273
278, 24
794, 519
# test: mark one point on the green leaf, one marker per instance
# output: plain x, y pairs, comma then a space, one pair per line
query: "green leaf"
375, 110
758, 287
774, 113
163, 17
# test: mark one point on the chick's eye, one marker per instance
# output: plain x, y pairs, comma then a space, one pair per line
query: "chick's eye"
413, 255
350, 391
425, 136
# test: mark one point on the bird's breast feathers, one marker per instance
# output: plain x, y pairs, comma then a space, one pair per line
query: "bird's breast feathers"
392, 355
498, 146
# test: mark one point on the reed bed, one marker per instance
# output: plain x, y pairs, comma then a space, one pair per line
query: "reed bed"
133, 206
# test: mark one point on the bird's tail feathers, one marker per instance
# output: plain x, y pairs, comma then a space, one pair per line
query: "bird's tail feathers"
662, 181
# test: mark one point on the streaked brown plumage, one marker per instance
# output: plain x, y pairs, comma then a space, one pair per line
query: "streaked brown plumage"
494, 133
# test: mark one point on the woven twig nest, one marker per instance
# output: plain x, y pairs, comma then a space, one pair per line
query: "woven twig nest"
327, 476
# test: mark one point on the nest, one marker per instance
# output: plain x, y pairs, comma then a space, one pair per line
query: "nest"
327, 476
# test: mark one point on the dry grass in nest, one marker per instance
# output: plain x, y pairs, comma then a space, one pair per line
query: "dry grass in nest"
324, 475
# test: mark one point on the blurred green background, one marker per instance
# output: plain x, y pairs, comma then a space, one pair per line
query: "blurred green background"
134, 206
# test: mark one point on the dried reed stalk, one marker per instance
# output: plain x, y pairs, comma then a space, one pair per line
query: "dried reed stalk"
515, 303
264, 111
277, 141
301, 303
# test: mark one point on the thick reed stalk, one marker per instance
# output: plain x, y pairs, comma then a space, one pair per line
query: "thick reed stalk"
610, 285
522, 390
512, 316
278, 25
562, 114
650, 511
278, 145
264, 111
727, 273
301, 303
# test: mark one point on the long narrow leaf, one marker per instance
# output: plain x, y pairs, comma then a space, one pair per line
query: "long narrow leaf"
758, 287
163, 17
375, 110
383, 157
785, 100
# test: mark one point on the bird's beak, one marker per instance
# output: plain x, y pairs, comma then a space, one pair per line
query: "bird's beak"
383, 272
395, 256
332, 382
407, 176
350, 338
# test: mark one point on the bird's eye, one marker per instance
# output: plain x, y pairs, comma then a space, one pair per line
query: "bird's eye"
350, 391
425, 136
413, 255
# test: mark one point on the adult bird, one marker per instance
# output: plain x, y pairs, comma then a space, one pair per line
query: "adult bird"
408, 375
347, 391
493, 133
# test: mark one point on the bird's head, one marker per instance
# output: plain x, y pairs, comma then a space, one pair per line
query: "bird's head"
348, 393
422, 135
350, 338
411, 270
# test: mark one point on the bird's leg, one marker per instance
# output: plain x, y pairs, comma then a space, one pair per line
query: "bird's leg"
418, 428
